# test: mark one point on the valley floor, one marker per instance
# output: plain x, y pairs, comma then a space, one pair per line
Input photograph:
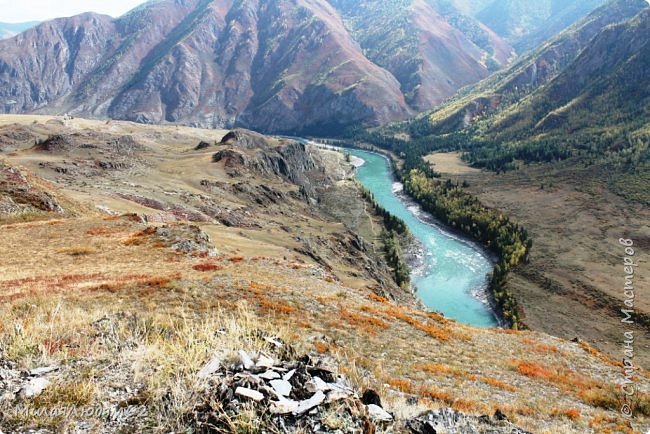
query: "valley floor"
129, 259
574, 284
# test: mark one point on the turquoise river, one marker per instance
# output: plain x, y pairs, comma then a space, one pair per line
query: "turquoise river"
452, 275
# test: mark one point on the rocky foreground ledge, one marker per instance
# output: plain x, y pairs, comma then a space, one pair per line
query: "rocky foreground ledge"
270, 391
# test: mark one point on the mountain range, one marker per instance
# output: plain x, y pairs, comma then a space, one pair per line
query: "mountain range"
590, 81
277, 66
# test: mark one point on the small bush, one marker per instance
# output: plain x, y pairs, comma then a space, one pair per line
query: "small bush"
78, 250
98, 231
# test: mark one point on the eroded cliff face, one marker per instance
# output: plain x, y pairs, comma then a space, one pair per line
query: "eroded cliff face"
287, 159
276, 66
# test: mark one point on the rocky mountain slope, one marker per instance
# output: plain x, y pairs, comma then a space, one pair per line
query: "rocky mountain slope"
429, 46
207, 287
275, 66
601, 98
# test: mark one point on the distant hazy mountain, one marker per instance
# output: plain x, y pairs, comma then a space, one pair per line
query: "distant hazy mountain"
509, 87
526, 24
585, 92
7, 30
269, 65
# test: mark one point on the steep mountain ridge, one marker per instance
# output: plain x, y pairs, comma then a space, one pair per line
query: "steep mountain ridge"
606, 86
428, 45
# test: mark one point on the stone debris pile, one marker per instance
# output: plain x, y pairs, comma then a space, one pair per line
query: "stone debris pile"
301, 394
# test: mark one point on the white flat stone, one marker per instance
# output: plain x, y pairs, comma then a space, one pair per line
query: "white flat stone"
308, 404
246, 360
273, 341
265, 362
210, 368
379, 414
284, 407
269, 375
282, 387
42, 371
249, 393
289, 375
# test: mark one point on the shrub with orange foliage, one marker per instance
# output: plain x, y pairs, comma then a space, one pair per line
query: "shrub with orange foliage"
207, 266
594, 352
401, 384
277, 306
437, 395
588, 390
464, 405
321, 347
570, 413
435, 369
367, 322
236, 259
378, 298
536, 370
99, 231
431, 330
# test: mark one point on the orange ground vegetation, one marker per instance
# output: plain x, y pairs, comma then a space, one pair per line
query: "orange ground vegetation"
207, 266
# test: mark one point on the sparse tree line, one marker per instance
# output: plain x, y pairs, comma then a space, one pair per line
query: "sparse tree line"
394, 235
455, 207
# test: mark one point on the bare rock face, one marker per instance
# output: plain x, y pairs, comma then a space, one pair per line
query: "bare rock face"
283, 158
276, 66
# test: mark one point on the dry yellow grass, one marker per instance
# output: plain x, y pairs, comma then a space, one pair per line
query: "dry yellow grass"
449, 163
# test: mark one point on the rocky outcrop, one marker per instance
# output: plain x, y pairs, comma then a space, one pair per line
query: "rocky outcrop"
19, 195
294, 394
287, 159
